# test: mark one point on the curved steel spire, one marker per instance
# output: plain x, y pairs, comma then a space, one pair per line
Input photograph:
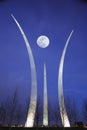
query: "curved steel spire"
63, 113
45, 106
33, 99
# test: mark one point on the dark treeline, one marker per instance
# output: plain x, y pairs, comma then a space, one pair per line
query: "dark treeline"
13, 113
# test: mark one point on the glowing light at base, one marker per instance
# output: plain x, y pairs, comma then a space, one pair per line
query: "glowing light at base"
29, 120
63, 113
33, 99
45, 106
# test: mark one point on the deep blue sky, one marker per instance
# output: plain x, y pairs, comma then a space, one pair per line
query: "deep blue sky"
55, 19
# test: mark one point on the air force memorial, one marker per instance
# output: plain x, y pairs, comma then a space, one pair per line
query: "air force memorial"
43, 42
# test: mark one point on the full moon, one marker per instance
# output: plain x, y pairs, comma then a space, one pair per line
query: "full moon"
43, 41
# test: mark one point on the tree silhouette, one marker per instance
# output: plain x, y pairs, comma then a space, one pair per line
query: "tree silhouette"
2, 114
12, 107
18, 115
11, 112
56, 115
38, 114
85, 110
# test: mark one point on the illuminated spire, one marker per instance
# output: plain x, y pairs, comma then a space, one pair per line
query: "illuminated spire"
63, 113
45, 105
33, 99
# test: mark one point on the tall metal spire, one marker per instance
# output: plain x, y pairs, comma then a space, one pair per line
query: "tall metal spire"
63, 113
45, 105
33, 99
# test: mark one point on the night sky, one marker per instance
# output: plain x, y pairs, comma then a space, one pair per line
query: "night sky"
55, 19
